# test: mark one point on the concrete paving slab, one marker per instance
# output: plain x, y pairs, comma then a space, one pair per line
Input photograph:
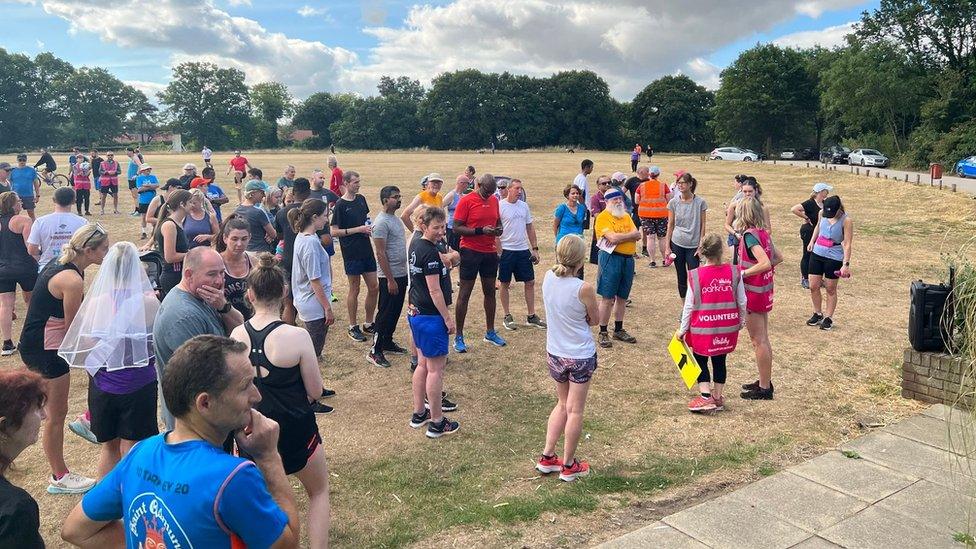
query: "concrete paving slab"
879, 528
948, 413
799, 501
728, 522
955, 437
916, 459
815, 542
935, 505
860, 478
655, 535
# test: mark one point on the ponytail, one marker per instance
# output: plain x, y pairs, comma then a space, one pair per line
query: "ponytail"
570, 255
89, 237
301, 217
173, 202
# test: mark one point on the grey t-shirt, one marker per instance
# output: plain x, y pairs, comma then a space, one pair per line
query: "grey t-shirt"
687, 221
182, 316
311, 262
391, 228
256, 220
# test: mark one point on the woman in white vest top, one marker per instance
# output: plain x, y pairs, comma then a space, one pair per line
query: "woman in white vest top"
572, 306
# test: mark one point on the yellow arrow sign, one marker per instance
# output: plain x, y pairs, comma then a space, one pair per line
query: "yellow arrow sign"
687, 365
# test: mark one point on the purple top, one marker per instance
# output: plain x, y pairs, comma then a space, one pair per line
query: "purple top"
127, 380
597, 204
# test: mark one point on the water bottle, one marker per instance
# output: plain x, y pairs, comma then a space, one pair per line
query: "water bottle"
669, 259
369, 222
841, 275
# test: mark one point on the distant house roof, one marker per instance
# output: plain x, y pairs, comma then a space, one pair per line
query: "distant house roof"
144, 138
298, 135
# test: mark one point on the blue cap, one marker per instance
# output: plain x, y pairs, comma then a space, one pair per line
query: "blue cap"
655, 170
613, 193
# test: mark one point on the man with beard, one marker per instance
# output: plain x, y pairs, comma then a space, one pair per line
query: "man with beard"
391, 255
618, 236
478, 221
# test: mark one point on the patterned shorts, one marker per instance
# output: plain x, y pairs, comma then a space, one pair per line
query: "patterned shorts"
576, 370
655, 225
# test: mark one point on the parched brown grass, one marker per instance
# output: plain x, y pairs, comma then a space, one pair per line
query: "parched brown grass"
393, 487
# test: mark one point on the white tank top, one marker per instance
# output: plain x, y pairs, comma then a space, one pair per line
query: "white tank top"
567, 335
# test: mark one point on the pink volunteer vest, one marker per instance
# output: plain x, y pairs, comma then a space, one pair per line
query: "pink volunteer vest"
759, 288
715, 318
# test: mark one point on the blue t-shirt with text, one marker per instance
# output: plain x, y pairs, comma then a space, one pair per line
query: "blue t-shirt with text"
145, 197
190, 494
214, 192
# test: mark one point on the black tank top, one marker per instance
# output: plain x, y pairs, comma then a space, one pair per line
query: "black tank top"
282, 391
46, 312
235, 290
182, 246
14, 259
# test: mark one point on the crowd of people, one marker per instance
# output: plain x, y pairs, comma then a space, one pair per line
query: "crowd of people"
230, 330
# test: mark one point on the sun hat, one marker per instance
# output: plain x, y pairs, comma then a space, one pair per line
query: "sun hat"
5, 166
255, 185
434, 177
618, 176
613, 193
822, 187
144, 167
190, 166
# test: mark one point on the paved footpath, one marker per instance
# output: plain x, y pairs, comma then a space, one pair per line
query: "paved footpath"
965, 185
910, 484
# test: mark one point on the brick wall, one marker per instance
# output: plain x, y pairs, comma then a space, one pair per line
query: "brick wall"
937, 378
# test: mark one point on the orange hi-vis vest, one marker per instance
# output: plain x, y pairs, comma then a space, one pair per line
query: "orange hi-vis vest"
653, 202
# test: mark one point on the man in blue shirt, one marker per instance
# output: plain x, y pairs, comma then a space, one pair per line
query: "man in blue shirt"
146, 185
24, 181
132, 171
179, 488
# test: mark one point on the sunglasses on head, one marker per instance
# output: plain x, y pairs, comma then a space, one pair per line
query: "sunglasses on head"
98, 230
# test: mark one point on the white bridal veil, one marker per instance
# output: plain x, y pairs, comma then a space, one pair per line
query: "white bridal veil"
113, 327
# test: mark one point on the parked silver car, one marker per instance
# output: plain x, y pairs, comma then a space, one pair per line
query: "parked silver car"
868, 157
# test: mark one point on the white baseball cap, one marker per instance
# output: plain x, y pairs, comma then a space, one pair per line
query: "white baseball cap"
822, 187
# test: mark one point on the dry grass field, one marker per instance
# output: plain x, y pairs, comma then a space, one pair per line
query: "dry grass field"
391, 486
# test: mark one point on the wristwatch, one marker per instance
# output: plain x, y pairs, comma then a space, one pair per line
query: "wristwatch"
847, 263
535, 248
225, 309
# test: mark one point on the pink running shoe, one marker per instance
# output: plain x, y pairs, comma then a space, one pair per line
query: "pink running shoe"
702, 404
551, 464
572, 472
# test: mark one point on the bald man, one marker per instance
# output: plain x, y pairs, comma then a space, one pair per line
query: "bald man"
196, 306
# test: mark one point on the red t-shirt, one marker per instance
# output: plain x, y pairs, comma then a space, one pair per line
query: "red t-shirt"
336, 180
474, 212
238, 162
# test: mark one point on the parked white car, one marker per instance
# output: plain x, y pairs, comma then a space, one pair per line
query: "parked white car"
733, 153
867, 157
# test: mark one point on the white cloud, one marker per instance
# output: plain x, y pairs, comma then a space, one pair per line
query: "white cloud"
237, 3
308, 11
827, 38
703, 72
814, 8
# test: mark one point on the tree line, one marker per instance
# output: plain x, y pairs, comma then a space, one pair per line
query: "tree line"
904, 82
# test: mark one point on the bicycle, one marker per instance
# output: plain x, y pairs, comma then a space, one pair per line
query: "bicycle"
55, 180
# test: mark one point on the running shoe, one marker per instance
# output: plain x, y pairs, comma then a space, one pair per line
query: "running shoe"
719, 403
550, 464
702, 404
326, 393
81, 426
369, 328
534, 320
8, 348
492, 337
334, 298
758, 393
142, 237
605, 340
644, 253
445, 427
413, 362
805, 282
419, 420
377, 359
135, 214
322, 409
356, 334
817, 318
509, 322
392, 347
652, 264
827, 324
446, 405
755, 385
578, 469
70, 483
622, 335
459, 345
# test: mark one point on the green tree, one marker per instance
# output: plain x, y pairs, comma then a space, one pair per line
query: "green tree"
271, 102
376, 123
318, 112
580, 110
933, 33
28, 116
451, 113
766, 99
208, 104
672, 114
401, 87
96, 105
876, 94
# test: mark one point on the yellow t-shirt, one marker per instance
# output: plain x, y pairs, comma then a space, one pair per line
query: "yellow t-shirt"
436, 200
607, 223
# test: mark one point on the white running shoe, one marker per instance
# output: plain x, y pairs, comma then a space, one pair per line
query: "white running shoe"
82, 427
70, 483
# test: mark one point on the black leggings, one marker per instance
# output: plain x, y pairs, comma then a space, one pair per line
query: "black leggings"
633, 165
684, 260
82, 196
805, 237
718, 364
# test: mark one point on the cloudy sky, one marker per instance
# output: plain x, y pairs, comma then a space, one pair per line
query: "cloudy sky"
346, 45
